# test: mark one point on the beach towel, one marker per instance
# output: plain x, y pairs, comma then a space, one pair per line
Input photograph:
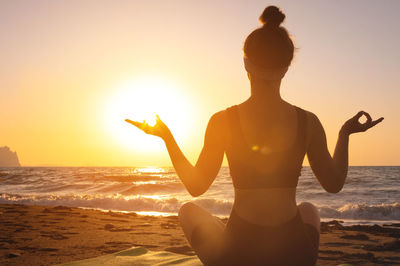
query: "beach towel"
142, 256
139, 256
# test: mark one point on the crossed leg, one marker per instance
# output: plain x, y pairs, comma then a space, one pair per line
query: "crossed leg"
310, 216
203, 231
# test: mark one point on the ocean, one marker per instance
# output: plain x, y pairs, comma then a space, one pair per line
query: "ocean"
371, 194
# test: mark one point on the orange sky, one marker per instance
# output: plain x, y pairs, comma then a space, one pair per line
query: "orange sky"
69, 69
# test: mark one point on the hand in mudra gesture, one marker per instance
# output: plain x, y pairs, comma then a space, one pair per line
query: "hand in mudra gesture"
353, 125
159, 129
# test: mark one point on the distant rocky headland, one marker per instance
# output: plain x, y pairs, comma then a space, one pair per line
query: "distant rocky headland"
8, 158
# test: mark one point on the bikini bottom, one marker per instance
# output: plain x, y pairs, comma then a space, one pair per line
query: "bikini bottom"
291, 243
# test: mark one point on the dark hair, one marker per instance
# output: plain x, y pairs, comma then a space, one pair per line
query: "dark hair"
270, 45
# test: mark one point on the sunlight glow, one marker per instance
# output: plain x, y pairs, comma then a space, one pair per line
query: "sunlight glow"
148, 170
150, 213
133, 197
141, 99
155, 197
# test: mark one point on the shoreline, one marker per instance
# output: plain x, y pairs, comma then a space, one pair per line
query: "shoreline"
47, 235
343, 221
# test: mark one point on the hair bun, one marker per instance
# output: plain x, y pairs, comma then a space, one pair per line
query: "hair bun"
272, 16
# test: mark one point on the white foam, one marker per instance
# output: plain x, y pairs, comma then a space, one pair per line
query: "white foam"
363, 212
359, 212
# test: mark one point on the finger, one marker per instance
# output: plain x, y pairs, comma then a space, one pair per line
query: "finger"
377, 121
135, 123
369, 119
158, 120
147, 128
358, 115
142, 126
372, 124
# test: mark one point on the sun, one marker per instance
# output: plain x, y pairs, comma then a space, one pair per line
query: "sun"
141, 99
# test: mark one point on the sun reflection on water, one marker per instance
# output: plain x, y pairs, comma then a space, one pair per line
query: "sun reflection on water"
150, 213
131, 197
148, 170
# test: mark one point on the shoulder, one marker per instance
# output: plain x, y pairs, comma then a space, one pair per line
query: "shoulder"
311, 118
219, 116
314, 127
219, 123
223, 116
218, 120
314, 124
216, 129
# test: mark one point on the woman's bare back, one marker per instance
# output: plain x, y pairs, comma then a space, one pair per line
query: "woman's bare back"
272, 130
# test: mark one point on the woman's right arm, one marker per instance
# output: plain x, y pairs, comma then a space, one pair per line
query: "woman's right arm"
197, 179
331, 172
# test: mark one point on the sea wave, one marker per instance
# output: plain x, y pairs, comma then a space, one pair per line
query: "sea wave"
4, 173
363, 212
140, 186
116, 202
119, 202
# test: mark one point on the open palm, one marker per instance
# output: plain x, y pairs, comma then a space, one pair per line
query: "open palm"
160, 129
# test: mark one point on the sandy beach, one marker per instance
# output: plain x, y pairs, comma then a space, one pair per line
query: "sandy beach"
43, 235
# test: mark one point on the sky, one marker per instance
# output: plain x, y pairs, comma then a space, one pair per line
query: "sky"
72, 71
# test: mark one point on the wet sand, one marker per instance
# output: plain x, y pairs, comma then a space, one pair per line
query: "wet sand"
42, 235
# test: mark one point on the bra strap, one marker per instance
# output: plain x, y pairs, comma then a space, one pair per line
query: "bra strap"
302, 128
233, 121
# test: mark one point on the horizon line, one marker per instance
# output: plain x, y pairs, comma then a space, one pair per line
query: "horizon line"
169, 166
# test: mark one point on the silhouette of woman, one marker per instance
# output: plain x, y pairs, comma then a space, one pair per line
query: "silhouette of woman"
265, 139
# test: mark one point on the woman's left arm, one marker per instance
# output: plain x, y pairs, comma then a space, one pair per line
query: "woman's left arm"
197, 179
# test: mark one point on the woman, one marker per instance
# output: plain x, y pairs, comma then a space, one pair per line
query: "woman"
265, 139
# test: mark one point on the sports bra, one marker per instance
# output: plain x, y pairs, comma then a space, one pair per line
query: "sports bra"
255, 167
